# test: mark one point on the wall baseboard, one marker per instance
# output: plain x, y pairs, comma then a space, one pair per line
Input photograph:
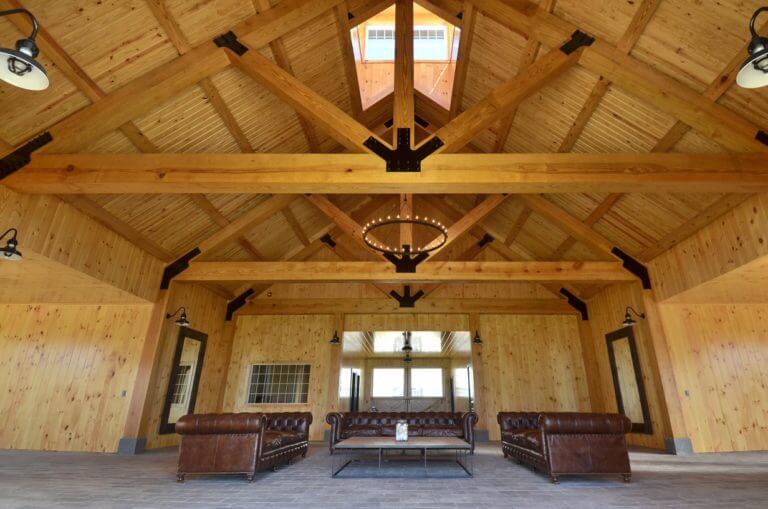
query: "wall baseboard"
131, 446
679, 446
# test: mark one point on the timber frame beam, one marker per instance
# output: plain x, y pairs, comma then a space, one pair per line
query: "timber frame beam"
364, 174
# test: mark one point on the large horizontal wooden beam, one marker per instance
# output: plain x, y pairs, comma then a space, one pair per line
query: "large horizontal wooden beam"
365, 174
384, 272
387, 306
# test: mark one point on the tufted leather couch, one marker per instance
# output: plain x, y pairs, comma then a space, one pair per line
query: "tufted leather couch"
421, 424
560, 443
240, 443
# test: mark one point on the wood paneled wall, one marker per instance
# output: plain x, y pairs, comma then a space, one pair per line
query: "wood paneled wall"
300, 339
734, 240
606, 312
206, 311
529, 363
67, 372
719, 353
56, 230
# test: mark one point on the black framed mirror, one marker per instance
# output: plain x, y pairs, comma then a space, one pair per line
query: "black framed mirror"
185, 378
628, 379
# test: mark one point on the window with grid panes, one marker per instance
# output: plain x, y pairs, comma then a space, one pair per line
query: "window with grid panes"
278, 383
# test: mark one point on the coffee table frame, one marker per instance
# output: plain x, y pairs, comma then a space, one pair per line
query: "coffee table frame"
346, 448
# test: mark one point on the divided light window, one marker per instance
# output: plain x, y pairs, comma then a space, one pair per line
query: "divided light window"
181, 384
429, 43
278, 383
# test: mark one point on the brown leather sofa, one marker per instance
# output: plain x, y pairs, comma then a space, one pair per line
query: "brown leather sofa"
421, 424
242, 443
561, 443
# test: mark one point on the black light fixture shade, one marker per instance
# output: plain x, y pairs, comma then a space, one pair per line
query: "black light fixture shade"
10, 251
476, 340
18, 66
182, 321
335, 339
754, 71
628, 320
407, 348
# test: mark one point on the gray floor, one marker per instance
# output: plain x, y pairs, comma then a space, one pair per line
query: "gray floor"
34, 479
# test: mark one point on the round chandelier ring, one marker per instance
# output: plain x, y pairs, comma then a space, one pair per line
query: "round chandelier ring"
441, 229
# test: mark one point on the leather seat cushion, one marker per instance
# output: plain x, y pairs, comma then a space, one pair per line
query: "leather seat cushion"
528, 439
272, 440
435, 430
289, 438
362, 431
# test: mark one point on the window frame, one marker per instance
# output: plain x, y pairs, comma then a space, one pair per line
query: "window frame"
385, 368
426, 368
303, 395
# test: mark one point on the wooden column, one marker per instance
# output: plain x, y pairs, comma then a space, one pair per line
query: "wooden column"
134, 432
335, 353
403, 116
591, 369
484, 420
227, 339
676, 438
406, 209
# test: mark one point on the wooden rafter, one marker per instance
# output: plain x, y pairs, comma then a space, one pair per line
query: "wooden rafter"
403, 111
364, 174
360, 11
348, 59
406, 210
643, 15
181, 43
462, 58
429, 272
601, 210
532, 47
632, 75
470, 220
460, 131
217, 217
295, 226
518, 226
307, 103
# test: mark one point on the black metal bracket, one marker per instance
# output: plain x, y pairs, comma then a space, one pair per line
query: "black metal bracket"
177, 267
237, 303
578, 39
406, 262
576, 303
229, 40
634, 266
487, 239
328, 240
407, 300
403, 158
21, 157
762, 137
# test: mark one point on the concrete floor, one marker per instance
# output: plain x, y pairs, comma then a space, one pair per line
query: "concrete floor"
35, 479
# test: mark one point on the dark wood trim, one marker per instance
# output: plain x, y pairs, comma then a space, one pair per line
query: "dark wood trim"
185, 332
628, 333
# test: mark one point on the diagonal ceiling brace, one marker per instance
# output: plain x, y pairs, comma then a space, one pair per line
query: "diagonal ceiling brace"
238, 302
22, 156
576, 303
403, 158
634, 266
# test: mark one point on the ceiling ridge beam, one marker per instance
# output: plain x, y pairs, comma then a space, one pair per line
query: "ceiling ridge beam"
403, 116
636, 77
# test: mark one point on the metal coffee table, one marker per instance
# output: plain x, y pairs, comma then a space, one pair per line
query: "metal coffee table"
346, 449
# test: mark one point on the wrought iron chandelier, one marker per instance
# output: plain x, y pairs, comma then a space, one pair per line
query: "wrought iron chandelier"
405, 257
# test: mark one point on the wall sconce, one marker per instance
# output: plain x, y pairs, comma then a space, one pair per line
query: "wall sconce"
754, 72
18, 66
182, 320
628, 320
476, 340
9, 252
335, 339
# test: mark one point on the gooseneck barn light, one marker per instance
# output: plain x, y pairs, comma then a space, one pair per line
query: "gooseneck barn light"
628, 320
754, 72
18, 66
9, 252
182, 321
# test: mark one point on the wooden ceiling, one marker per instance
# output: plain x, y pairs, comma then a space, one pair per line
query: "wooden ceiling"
93, 49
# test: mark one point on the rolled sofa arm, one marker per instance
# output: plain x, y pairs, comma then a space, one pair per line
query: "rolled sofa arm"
573, 423
511, 421
334, 419
221, 424
468, 421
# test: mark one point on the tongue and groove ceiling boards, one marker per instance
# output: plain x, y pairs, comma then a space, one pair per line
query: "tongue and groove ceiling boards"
144, 77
